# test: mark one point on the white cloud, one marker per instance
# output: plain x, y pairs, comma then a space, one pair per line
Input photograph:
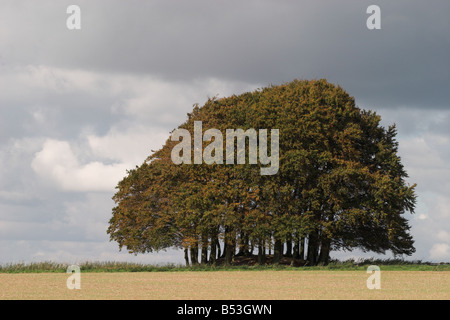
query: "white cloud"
171, 98
128, 145
440, 252
425, 161
443, 236
57, 162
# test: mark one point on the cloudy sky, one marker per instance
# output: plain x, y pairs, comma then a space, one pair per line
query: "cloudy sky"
79, 107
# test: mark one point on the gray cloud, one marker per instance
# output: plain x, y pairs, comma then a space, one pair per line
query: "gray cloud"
403, 64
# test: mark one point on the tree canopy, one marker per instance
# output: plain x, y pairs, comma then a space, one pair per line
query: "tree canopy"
340, 184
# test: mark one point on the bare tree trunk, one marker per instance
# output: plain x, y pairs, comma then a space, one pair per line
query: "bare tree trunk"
219, 250
289, 247
225, 245
270, 245
194, 254
261, 253
229, 255
229, 246
277, 251
243, 244
302, 248
213, 253
204, 259
186, 256
313, 248
324, 257
296, 254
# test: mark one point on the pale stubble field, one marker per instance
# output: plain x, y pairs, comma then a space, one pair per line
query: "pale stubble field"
228, 285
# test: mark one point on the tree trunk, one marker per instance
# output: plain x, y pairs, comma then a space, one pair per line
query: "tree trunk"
252, 247
277, 251
302, 248
204, 249
219, 250
229, 246
289, 247
233, 247
225, 245
261, 253
186, 256
324, 257
296, 249
312, 248
213, 253
228, 255
243, 244
270, 246
194, 254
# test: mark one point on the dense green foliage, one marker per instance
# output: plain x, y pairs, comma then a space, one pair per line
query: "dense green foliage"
340, 184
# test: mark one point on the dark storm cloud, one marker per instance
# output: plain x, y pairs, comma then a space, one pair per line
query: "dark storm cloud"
404, 64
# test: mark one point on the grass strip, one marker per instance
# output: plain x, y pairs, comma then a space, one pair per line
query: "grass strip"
113, 266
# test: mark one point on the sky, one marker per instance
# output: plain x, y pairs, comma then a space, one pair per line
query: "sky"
80, 107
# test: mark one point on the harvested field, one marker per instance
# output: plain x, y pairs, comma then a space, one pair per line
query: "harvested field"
228, 285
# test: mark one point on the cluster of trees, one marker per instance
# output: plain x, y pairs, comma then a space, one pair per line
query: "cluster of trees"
340, 184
